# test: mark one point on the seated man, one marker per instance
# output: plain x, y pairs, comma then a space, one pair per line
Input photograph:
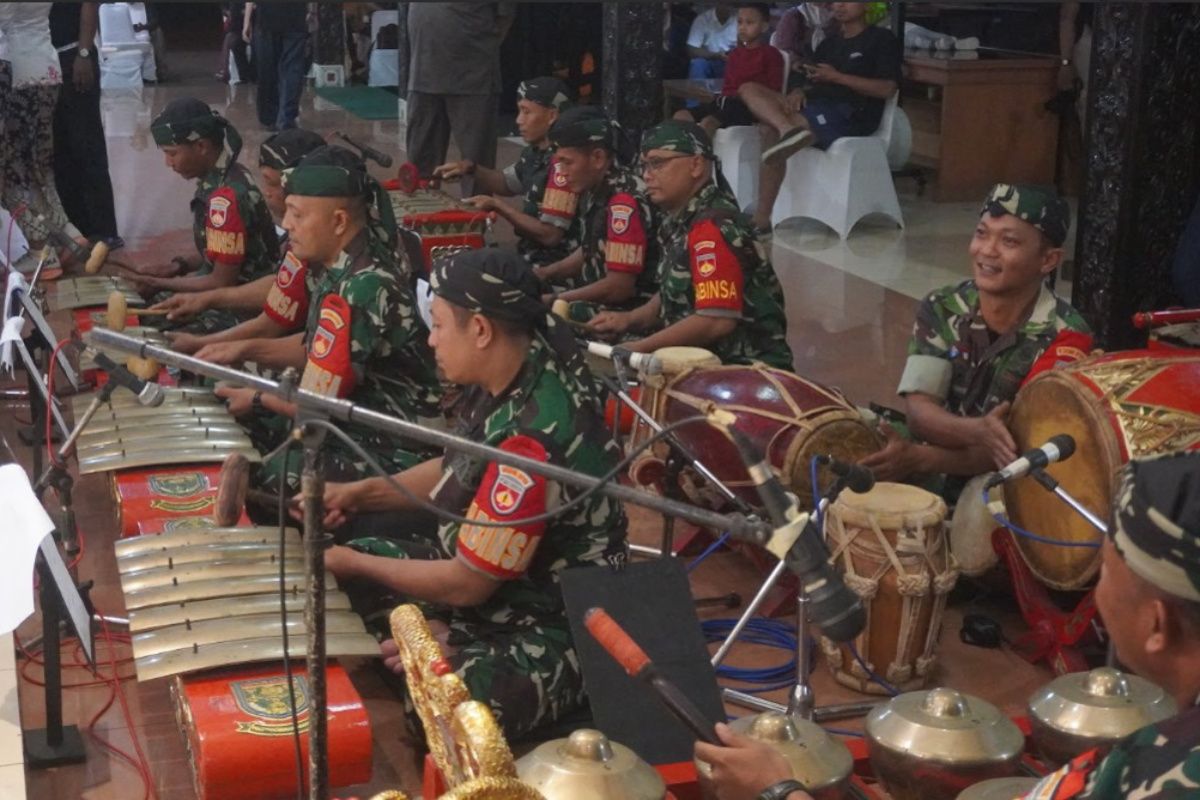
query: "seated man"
718, 289
712, 35
283, 297
1149, 599
752, 60
973, 344
496, 588
614, 264
545, 224
232, 227
362, 339
857, 69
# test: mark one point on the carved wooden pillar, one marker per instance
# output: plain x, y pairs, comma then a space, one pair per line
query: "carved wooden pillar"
633, 39
329, 45
1143, 161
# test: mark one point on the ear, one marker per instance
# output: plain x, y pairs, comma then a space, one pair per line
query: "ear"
1160, 628
1052, 258
341, 221
482, 330
701, 168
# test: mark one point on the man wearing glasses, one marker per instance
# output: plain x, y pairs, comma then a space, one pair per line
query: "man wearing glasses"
717, 288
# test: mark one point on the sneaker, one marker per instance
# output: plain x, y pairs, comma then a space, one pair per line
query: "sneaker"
791, 142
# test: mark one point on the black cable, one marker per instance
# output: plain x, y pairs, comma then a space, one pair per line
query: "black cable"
450, 516
281, 510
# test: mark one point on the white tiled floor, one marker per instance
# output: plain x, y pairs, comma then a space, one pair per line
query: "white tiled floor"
12, 770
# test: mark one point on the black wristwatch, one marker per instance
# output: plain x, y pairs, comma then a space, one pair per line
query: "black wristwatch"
256, 403
781, 790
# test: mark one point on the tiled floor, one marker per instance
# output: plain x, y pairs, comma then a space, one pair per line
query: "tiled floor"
850, 307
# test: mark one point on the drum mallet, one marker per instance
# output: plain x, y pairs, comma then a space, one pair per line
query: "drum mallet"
626, 652
118, 310
97, 258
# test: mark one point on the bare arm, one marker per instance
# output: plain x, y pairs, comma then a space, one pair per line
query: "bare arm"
277, 353
568, 267
487, 180
928, 420
447, 581
692, 331
221, 275
261, 327
530, 227
376, 494
612, 289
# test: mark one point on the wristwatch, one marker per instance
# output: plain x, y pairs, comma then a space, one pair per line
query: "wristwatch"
85, 52
780, 790
256, 403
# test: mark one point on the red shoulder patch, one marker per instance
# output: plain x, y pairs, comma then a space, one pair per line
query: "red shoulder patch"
1067, 347
224, 229
287, 301
718, 281
625, 242
330, 370
558, 200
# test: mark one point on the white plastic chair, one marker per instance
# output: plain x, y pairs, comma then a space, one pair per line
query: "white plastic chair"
841, 185
122, 54
383, 66
138, 16
739, 149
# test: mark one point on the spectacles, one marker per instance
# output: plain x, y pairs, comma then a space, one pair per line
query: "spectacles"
658, 162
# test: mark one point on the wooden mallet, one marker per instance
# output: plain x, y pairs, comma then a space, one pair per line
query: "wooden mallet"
97, 258
118, 309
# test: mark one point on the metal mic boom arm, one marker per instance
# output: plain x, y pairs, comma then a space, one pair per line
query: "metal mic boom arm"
343, 410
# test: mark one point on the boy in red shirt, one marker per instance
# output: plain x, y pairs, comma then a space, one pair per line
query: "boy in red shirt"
753, 60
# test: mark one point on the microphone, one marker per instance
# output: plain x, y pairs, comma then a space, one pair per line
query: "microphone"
836, 610
1059, 448
855, 477
643, 362
382, 159
148, 393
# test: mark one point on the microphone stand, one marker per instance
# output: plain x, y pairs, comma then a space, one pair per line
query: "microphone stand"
1050, 483
801, 699
310, 405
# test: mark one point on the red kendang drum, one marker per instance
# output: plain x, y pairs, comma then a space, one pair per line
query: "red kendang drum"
237, 725
1117, 406
789, 418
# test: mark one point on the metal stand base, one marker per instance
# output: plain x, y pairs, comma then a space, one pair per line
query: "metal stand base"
840, 711
40, 753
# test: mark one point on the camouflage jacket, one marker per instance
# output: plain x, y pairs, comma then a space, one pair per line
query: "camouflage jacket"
713, 265
954, 357
231, 223
549, 405
530, 177
391, 358
617, 227
1157, 762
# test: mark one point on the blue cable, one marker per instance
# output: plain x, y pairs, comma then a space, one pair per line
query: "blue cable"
1012, 526
768, 632
887, 687
708, 551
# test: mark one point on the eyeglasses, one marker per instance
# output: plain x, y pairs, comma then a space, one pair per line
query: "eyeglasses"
658, 162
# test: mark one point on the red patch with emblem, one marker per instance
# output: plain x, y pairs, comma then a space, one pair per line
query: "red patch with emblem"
287, 301
556, 175
330, 370
625, 245
509, 489
717, 278
218, 210
224, 232
618, 218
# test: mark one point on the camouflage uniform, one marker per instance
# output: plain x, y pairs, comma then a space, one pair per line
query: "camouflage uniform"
536, 178
607, 217
712, 265
515, 651
955, 358
389, 354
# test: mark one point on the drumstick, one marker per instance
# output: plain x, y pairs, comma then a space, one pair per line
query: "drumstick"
97, 258
232, 484
562, 309
633, 659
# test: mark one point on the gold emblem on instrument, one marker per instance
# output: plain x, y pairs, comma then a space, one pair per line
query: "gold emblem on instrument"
269, 702
178, 484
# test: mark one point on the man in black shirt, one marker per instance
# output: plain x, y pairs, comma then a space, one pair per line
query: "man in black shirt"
280, 35
842, 94
80, 155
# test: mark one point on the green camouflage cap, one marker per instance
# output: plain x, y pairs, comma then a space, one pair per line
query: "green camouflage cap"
332, 171
679, 136
581, 126
285, 149
185, 120
547, 91
1041, 207
1156, 526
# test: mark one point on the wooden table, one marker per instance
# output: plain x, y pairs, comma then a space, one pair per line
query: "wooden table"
702, 89
989, 124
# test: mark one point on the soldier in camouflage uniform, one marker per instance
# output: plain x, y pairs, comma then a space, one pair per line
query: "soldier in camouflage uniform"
718, 290
493, 591
615, 265
232, 227
363, 340
973, 344
1149, 598
545, 223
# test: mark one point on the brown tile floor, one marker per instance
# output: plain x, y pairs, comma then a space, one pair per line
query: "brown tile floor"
846, 329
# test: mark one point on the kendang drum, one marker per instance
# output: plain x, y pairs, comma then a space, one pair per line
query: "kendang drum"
1116, 406
789, 418
445, 225
890, 544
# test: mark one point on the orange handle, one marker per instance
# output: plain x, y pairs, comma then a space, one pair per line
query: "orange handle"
613, 638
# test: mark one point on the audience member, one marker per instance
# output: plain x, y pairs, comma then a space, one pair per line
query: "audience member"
233, 17
714, 33
280, 35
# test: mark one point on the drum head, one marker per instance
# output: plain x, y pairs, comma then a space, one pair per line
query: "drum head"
971, 531
677, 359
1050, 404
892, 506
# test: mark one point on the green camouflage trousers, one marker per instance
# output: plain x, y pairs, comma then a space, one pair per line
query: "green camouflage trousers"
528, 675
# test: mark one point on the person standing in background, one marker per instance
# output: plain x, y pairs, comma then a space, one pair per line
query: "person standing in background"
280, 34
80, 153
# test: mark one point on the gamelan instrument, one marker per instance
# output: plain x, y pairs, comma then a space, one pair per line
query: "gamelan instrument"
931, 745
71, 293
891, 547
999, 789
787, 417
588, 765
445, 225
1117, 406
1081, 711
819, 761
190, 427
